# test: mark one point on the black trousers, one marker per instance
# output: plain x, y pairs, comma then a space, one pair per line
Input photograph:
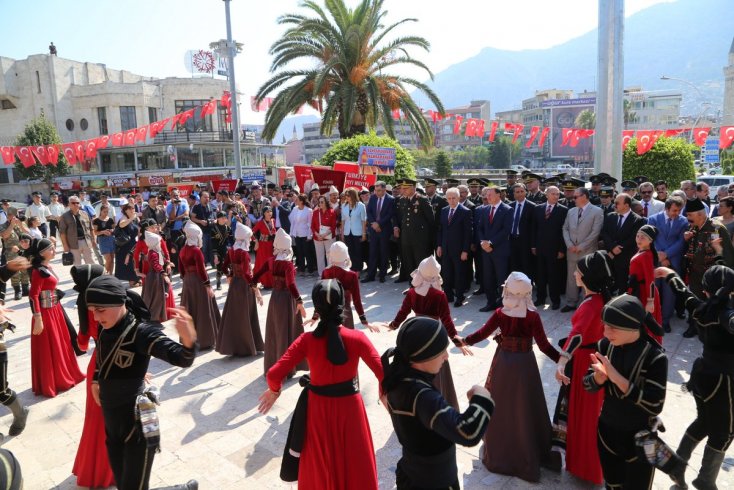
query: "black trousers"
494, 272
411, 255
379, 252
130, 457
549, 277
402, 482
621, 466
714, 394
7, 396
520, 256
453, 272
305, 254
44, 229
621, 271
54, 226
354, 246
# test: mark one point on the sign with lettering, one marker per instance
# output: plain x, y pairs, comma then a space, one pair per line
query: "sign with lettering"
380, 157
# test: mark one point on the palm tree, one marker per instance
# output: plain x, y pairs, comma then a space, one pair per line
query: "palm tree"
630, 116
348, 82
586, 119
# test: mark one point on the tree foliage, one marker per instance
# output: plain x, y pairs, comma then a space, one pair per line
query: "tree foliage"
503, 152
670, 159
443, 165
347, 150
348, 56
586, 119
41, 132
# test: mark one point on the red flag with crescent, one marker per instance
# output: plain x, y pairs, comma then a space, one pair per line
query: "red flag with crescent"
493, 130
627, 135
543, 136
208, 108
90, 149
79, 149
129, 139
480, 128
40, 153
102, 141
118, 139
726, 137
53, 154
646, 140
457, 124
69, 153
518, 132
700, 135
396, 114
26, 156
141, 134
533, 134
566, 134
8, 154
185, 116
669, 133
471, 127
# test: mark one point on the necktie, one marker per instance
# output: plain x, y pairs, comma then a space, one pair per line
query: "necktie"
491, 214
379, 206
451, 215
581, 210
548, 210
644, 211
619, 222
670, 224
516, 220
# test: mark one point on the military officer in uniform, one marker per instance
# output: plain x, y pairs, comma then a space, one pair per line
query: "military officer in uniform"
629, 187
451, 183
568, 186
511, 178
606, 195
438, 202
414, 222
595, 189
10, 233
532, 183
475, 186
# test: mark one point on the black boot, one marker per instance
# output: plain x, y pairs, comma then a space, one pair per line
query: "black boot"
219, 282
25, 289
691, 332
686, 447
189, 485
20, 416
17, 293
710, 466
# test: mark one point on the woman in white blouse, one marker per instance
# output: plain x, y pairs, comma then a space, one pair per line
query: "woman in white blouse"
300, 217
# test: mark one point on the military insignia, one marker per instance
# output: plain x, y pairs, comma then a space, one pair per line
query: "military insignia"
124, 359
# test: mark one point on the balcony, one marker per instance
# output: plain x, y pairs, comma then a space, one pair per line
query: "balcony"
173, 137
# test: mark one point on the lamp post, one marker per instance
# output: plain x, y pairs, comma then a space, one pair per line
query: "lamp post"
704, 105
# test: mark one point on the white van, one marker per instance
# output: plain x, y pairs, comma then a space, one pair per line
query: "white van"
714, 181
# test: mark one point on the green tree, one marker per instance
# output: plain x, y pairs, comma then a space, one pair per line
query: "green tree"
500, 155
41, 132
347, 150
629, 116
443, 165
670, 159
586, 119
348, 55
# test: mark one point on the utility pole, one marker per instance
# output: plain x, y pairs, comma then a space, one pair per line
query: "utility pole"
610, 76
231, 48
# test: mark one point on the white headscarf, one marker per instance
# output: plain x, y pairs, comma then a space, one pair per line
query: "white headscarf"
339, 256
242, 235
426, 276
153, 241
193, 234
282, 245
517, 295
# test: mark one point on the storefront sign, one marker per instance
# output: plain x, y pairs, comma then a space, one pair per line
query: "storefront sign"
252, 174
121, 182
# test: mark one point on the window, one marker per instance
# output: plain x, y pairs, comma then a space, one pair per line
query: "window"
154, 160
6, 104
152, 115
70, 125
188, 158
38, 81
196, 123
118, 162
127, 117
84, 124
213, 158
102, 118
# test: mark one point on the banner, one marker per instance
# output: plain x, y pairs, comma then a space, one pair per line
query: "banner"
381, 159
250, 175
303, 176
229, 185
346, 166
359, 180
325, 177
121, 182
184, 188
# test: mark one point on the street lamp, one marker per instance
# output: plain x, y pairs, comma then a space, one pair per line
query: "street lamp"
704, 105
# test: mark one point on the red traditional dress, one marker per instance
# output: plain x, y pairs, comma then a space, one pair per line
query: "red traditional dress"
582, 455
642, 284
53, 364
92, 466
264, 233
337, 451
435, 305
195, 296
350, 282
141, 265
518, 437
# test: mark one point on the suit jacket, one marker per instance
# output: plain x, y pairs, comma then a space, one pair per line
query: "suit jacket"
547, 235
623, 237
583, 233
524, 228
497, 232
455, 237
670, 240
283, 215
387, 213
653, 207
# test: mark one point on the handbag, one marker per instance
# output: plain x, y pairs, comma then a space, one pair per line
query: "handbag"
324, 230
121, 237
67, 258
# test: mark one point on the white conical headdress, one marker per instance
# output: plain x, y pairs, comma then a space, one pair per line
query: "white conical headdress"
517, 295
193, 234
282, 245
427, 275
153, 241
339, 255
242, 235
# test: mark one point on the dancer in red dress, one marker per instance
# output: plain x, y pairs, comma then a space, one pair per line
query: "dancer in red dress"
53, 365
642, 275
92, 465
426, 298
141, 262
577, 412
339, 268
264, 233
333, 437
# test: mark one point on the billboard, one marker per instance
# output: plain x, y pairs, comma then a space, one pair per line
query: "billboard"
563, 114
377, 160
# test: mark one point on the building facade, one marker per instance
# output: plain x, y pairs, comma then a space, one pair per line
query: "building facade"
728, 115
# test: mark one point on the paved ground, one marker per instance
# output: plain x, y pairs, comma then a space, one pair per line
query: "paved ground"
211, 429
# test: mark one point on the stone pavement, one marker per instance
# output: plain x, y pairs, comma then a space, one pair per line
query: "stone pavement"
211, 430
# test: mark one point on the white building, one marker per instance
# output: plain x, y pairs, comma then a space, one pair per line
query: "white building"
728, 116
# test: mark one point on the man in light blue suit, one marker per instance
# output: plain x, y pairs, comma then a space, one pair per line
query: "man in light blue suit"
670, 245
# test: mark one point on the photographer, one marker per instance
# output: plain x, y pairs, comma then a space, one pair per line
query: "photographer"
177, 212
10, 233
204, 214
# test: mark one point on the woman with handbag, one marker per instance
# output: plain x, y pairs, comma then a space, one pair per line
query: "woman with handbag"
264, 233
126, 234
102, 228
323, 227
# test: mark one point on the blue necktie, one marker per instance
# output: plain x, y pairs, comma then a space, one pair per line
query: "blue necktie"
516, 222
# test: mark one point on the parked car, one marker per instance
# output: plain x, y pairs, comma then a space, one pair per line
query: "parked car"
519, 168
715, 181
425, 172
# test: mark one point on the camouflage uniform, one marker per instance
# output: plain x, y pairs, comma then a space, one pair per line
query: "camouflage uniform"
19, 278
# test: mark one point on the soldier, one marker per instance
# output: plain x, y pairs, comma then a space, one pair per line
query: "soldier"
629, 187
532, 183
438, 202
10, 233
511, 178
568, 186
451, 183
596, 183
606, 195
413, 224
475, 185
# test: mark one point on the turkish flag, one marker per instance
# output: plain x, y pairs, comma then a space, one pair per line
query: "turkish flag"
162, 125
396, 114
41, 154
118, 139
185, 116
79, 149
493, 130
263, 105
90, 149
26, 156
471, 128
509, 126
518, 132
700, 135
69, 153
480, 128
566, 134
533, 134
8, 154
433, 115
669, 133
627, 135
102, 141
543, 136
646, 140
208, 108
130, 136
141, 134
576, 136
726, 137
53, 154
457, 124
226, 100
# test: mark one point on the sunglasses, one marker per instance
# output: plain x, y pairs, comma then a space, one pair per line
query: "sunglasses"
645, 192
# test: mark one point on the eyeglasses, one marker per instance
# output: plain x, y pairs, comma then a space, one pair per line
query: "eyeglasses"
645, 192
76, 203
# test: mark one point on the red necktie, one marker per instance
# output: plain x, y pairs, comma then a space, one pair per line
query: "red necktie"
644, 211
491, 214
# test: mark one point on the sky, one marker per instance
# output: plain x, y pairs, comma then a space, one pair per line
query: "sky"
151, 37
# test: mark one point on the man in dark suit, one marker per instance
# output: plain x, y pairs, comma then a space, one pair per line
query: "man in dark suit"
438, 202
618, 234
380, 214
281, 215
520, 235
549, 248
494, 223
466, 201
454, 241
